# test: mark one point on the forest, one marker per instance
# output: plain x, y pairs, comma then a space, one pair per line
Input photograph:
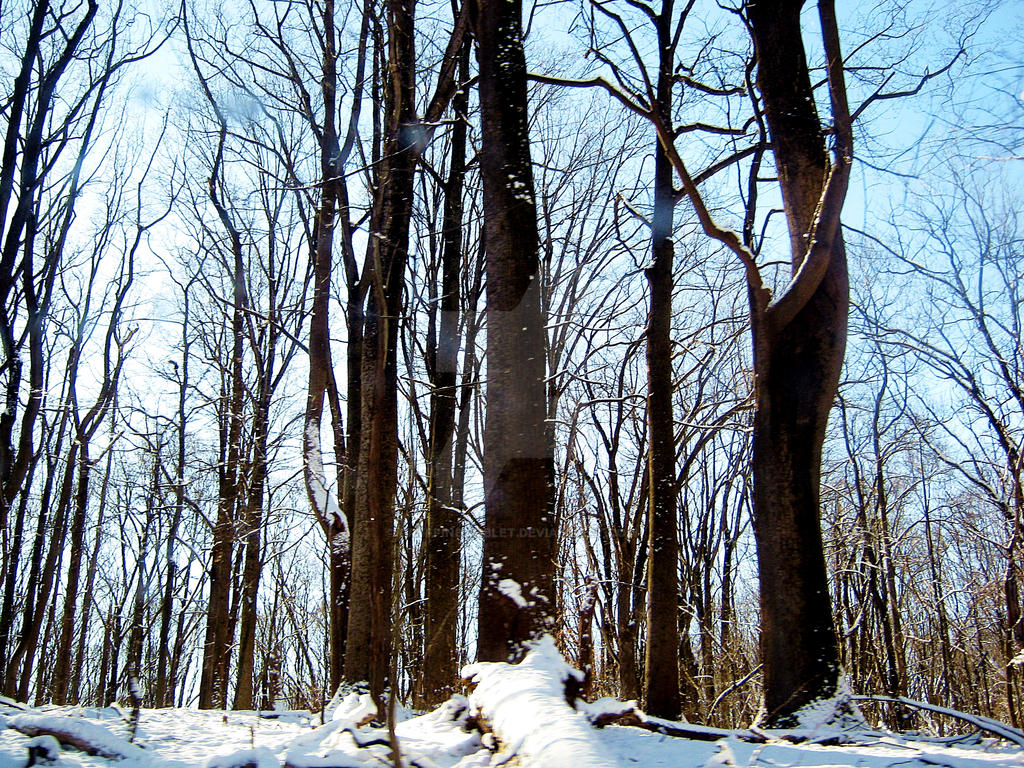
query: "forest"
349, 342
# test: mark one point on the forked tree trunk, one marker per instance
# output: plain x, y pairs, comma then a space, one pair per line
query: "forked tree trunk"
368, 647
332, 216
798, 355
517, 589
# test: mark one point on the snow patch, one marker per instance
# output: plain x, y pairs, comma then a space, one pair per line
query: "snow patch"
605, 709
356, 709
838, 713
316, 481
723, 758
45, 748
261, 757
511, 589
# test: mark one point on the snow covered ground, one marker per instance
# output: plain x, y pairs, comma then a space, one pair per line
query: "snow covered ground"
516, 715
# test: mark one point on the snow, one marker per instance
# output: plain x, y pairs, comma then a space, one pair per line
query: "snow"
605, 707
167, 738
523, 708
511, 589
260, 757
69, 730
355, 709
825, 717
526, 706
46, 748
323, 499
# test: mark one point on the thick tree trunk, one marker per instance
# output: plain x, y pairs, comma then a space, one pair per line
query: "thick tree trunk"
112, 640
626, 631
585, 634
7, 608
517, 589
216, 648
797, 362
798, 639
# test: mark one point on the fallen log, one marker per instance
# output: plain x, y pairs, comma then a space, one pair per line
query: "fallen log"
526, 707
78, 734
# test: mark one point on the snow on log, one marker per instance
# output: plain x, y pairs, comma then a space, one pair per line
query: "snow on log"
43, 749
526, 707
79, 734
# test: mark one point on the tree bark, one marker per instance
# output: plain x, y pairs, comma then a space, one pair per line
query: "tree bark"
40, 583
443, 535
164, 695
62, 665
799, 343
661, 673
217, 646
368, 647
517, 589
252, 518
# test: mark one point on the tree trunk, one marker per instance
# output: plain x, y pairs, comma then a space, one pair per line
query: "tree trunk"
219, 627
108, 685
62, 665
443, 535
87, 597
41, 578
137, 630
517, 589
7, 608
164, 696
253, 521
368, 647
661, 673
798, 356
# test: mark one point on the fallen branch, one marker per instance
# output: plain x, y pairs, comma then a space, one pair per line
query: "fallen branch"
605, 712
1002, 730
7, 702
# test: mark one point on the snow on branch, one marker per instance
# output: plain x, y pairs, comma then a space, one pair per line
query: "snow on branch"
1002, 730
